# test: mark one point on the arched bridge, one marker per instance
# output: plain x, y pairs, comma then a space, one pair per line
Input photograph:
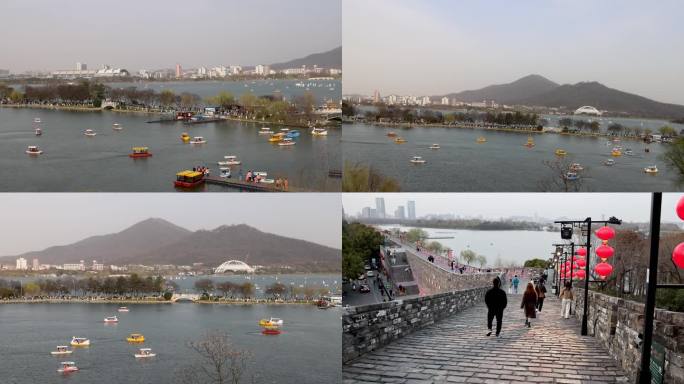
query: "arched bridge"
185, 297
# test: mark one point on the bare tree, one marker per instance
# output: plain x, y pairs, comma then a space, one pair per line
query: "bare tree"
220, 362
558, 181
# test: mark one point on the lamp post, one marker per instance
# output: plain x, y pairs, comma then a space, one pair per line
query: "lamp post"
588, 223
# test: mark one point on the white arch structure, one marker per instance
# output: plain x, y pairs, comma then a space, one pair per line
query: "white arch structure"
587, 110
234, 266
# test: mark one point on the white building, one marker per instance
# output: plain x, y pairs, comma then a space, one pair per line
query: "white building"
22, 265
262, 70
36, 265
81, 66
235, 69
234, 266
97, 266
426, 100
74, 267
445, 100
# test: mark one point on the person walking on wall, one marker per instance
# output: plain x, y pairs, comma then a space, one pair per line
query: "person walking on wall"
529, 304
567, 296
540, 289
515, 283
496, 301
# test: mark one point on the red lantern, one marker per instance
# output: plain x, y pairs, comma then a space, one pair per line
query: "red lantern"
603, 269
678, 253
581, 263
680, 208
580, 274
604, 251
605, 233
581, 251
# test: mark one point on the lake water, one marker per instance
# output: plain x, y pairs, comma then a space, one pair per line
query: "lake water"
517, 246
323, 90
308, 350
72, 162
501, 164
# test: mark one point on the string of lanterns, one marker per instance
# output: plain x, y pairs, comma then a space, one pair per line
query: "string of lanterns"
678, 252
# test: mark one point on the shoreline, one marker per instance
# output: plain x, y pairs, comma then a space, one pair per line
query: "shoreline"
150, 113
498, 129
151, 302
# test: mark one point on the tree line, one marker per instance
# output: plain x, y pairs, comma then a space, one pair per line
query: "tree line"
247, 289
360, 243
132, 285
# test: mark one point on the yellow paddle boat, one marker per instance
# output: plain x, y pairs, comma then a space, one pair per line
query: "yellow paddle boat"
616, 152
481, 140
400, 140
561, 152
135, 338
185, 137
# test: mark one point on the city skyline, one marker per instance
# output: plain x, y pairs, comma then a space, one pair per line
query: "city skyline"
555, 42
215, 33
60, 223
631, 207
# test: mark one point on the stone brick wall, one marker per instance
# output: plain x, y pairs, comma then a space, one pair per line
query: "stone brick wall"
369, 327
618, 323
432, 279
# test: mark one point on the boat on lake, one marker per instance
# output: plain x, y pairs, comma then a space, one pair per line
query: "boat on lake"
616, 152
90, 133
319, 131
135, 338
38, 131
400, 140
417, 160
273, 321
629, 152
67, 366
198, 140
609, 162
435, 146
293, 133
286, 142
276, 137
571, 176
36, 120
139, 152
144, 353
117, 127
189, 179
230, 160
79, 342
33, 150
481, 140
111, 319
561, 152
265, 131
391, 134
576, 167
224, 172
61, 350
185, 137
123, 309
530, 142
651, 169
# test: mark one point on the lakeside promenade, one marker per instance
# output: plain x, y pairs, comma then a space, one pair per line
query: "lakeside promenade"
246, 301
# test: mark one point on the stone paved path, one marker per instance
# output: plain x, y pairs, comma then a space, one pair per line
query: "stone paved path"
457, 350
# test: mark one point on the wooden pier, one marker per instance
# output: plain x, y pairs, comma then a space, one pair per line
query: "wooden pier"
242, 185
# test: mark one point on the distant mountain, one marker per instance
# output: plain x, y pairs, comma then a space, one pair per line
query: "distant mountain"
537, 90
511, 93
141, 237
604, 98
244, 243
156, 241
329, 59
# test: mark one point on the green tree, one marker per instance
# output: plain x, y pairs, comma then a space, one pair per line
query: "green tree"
675, 156
168, 295
482, 260
468, 256
666, 130
435, 247
416, 234
360, 243
536, 263
16, 96
204, 285
167, 98
31, 289
224, 99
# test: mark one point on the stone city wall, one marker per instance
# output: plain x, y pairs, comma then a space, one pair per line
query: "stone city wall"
369, 327
618, 324
432, 279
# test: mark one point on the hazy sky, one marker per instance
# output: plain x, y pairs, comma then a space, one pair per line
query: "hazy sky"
34, 221
626, 206
439, 46
44, 34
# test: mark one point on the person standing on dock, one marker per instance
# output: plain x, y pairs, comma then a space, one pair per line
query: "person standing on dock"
496, 302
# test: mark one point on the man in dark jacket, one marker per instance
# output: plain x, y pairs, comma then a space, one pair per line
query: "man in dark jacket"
496, 301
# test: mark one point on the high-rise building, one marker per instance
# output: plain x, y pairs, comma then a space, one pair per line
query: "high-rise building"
380, 207
36, 265
399, 213
22, 264
366, 212
179, 71
81, 67
376, 96
411, 210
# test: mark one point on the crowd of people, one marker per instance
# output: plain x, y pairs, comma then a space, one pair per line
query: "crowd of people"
532, 300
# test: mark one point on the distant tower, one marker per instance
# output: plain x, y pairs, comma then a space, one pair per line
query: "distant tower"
179, 71
376, 96
411, 210
81, 66
380, 207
